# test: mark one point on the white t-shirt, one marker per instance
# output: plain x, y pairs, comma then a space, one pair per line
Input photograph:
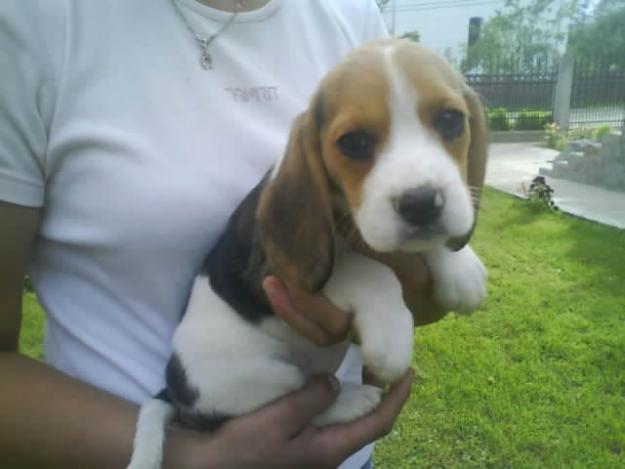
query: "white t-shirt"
139, 156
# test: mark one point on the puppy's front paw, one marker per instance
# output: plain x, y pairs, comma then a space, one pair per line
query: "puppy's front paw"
354, 401
387, 354
381, 319
459, 280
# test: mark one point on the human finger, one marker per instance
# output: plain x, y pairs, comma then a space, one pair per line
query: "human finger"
311, 315
415, 277
335, 322
318, 309
283, 307
288, 415
349, 437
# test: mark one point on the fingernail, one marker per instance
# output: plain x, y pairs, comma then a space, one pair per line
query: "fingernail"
266, 282
269, 287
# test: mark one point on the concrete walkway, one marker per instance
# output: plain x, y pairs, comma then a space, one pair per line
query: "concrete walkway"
512, 166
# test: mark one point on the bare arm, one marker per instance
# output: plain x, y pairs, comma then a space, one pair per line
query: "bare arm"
47, 418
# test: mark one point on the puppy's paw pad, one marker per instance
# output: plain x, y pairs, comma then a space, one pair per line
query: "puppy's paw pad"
354, 401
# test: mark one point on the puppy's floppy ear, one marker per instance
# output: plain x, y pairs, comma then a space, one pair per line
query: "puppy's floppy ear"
295, 213
476, 159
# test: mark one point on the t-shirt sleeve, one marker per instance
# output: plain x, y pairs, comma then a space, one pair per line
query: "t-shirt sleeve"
26, 103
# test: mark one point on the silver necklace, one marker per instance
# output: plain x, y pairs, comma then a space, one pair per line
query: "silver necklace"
206, 59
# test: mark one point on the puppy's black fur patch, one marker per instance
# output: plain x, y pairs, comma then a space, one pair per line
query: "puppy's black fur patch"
183, 397
236, 265
179, 391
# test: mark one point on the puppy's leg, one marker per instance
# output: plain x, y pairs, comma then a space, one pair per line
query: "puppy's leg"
372, 292
154, 416
459, 278
353, 401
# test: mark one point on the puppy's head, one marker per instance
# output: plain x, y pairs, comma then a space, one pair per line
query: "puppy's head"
395, 142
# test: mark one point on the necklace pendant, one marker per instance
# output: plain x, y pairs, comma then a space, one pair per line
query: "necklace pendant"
206, 61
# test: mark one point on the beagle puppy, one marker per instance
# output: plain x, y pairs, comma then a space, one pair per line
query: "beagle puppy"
386, 164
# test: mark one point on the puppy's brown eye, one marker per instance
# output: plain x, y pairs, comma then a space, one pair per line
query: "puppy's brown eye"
357, 145
449, 124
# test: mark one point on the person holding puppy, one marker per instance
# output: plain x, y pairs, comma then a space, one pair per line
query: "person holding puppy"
129, 131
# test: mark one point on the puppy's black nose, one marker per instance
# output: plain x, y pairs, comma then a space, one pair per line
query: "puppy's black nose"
420, 206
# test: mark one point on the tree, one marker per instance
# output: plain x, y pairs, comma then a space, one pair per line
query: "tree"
412, 35
525, 32
602, 35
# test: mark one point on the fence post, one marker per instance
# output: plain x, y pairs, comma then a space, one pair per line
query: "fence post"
564, 87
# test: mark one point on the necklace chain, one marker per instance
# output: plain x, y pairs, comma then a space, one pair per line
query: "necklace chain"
206, 59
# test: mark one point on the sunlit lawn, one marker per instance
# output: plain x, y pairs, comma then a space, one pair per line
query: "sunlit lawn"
537, 377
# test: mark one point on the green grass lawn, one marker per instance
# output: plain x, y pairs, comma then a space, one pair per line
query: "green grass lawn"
537, 377
534, 379
33, 324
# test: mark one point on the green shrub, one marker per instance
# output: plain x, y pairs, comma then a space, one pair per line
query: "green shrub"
601, 132
581, 133
498, 119
554, 138
558, 140
533, 120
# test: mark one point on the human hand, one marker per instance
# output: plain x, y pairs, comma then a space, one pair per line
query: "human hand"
416, 282
311, 315
316, 318
280, 435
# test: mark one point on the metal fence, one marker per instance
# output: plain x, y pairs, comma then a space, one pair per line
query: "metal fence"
598, 93
522, 96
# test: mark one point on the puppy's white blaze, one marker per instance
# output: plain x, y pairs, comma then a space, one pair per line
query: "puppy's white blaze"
412, 157
150, 435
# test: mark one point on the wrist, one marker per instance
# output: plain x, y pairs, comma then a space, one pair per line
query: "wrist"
183, 448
